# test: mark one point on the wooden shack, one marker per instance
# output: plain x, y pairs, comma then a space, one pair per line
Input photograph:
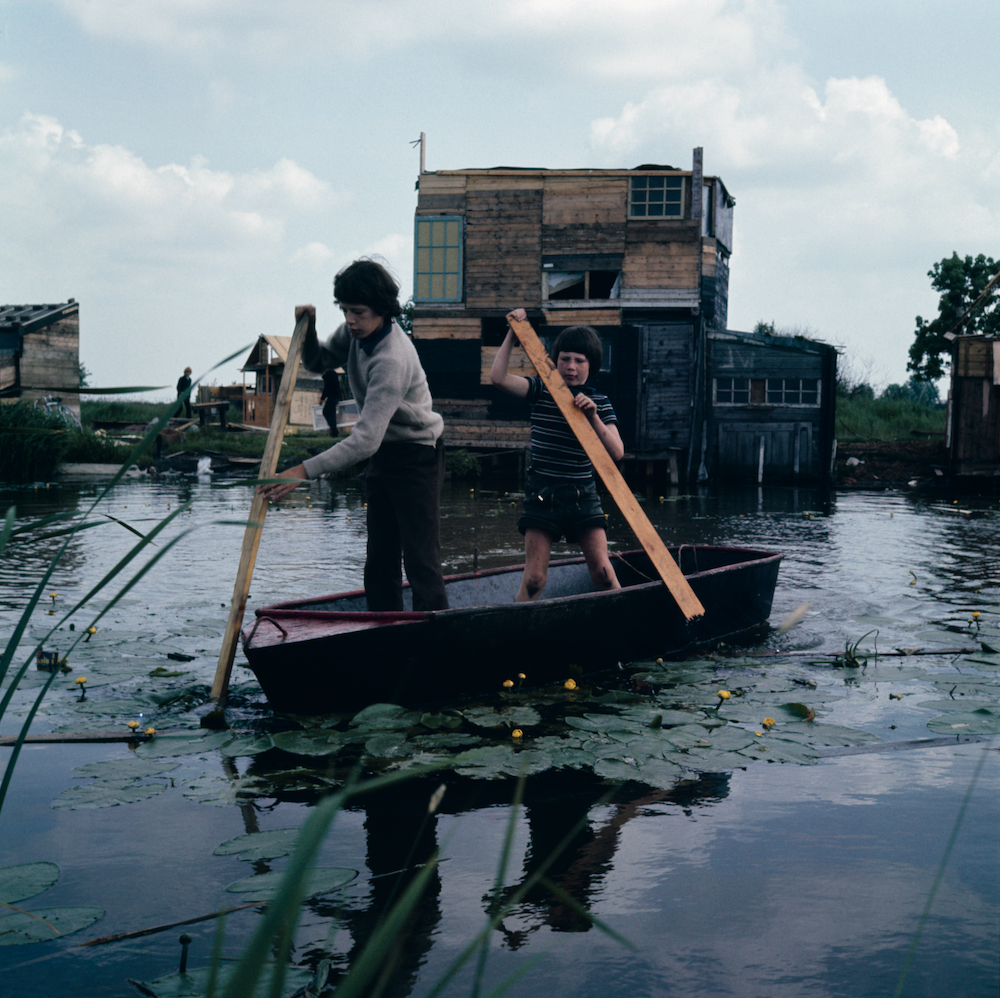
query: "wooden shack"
40, 352
973, 431
265, 365
642, 255
771, 408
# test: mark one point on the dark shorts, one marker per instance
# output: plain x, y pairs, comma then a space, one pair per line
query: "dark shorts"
561, 509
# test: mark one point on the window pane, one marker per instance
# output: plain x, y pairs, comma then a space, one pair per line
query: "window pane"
423, 286
451, 260
656, 209
451, 286
423, 260
656, 183
437, 285
451, 232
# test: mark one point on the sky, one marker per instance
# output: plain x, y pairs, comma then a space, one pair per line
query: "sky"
190, 170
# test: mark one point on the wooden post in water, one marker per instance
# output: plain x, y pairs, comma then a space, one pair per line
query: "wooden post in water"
646, 533
251, 539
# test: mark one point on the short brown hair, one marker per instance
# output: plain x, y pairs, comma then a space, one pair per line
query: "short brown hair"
581, 339
365, 282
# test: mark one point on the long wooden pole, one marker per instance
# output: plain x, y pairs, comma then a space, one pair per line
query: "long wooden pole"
650, 540
251, 539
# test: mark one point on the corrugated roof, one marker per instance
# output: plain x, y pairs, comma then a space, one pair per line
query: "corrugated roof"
29, 318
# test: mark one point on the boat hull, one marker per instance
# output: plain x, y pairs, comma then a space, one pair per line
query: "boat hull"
331, 654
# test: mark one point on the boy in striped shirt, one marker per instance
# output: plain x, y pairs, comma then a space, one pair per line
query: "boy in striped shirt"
561, 494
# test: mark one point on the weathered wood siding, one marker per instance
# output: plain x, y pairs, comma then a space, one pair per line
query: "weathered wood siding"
796, 438
661, 255
665, 386
50, 362
503, 248
975, 406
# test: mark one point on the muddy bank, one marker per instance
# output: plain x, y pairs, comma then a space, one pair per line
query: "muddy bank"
892, 462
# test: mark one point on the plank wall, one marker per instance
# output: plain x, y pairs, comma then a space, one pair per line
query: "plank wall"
503, 251
50, 362
661, 255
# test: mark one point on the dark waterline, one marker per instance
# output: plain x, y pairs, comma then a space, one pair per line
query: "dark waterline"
777, 880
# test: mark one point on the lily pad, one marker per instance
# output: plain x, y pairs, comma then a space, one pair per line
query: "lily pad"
956, 705
260, 845
389, 746
183, 743
128, 768
194, 983
21, 928
264, 886
517, 717
106, 794
17, 883
385, 717
772, 749
977, 722
316, 743
247, 745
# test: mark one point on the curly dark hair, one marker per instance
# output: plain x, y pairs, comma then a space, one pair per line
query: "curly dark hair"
580, 339
365, 282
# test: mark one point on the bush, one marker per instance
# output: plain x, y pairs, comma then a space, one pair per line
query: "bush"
34, 442
122, 411
462, 464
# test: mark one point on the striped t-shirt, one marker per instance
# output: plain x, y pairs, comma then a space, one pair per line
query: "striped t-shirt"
555, 452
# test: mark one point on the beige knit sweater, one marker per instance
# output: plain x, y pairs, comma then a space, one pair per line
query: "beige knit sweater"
390, 387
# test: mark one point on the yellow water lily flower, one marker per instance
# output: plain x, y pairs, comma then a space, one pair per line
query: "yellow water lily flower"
976, 613
81, 680
517, 733
151, 731
769, 722
521, 675
724, 694
508, 683
133, 725
570, 684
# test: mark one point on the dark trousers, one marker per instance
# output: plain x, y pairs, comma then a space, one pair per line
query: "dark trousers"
403, 489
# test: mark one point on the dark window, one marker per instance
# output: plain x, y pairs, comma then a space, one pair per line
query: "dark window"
579, 285
793, 391
656, 197
732, 391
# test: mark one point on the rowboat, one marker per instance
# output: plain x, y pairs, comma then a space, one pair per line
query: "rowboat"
332, 654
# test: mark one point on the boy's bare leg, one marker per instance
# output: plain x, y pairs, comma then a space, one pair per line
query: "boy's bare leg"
594, 544
537, 550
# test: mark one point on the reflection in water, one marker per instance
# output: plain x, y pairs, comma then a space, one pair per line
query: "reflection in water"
781, 880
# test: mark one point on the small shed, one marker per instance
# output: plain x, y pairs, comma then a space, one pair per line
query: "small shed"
771, 407
265, 365
973, 433
40, 352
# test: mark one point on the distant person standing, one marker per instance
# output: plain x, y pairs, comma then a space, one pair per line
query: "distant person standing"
330, 398
183, 390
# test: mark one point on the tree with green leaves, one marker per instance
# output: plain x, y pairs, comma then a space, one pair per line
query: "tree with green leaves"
960, 283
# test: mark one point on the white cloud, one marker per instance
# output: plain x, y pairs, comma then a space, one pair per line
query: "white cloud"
172, 250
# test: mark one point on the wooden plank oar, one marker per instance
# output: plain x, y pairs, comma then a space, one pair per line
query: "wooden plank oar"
650, 540
251, 539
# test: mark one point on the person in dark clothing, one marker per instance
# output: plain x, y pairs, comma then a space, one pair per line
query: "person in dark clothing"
183, 390
330, 398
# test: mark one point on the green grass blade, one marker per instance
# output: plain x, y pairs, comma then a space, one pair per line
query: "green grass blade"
378, 952
16, 750
571, 902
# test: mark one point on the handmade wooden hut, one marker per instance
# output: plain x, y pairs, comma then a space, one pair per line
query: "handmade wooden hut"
973, 433
40, 352
771, 407
642, 255
265, 365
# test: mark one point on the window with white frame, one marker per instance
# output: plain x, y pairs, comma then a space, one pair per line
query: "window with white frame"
656, 197
732, 391
437, 271
767, 391
793, 391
